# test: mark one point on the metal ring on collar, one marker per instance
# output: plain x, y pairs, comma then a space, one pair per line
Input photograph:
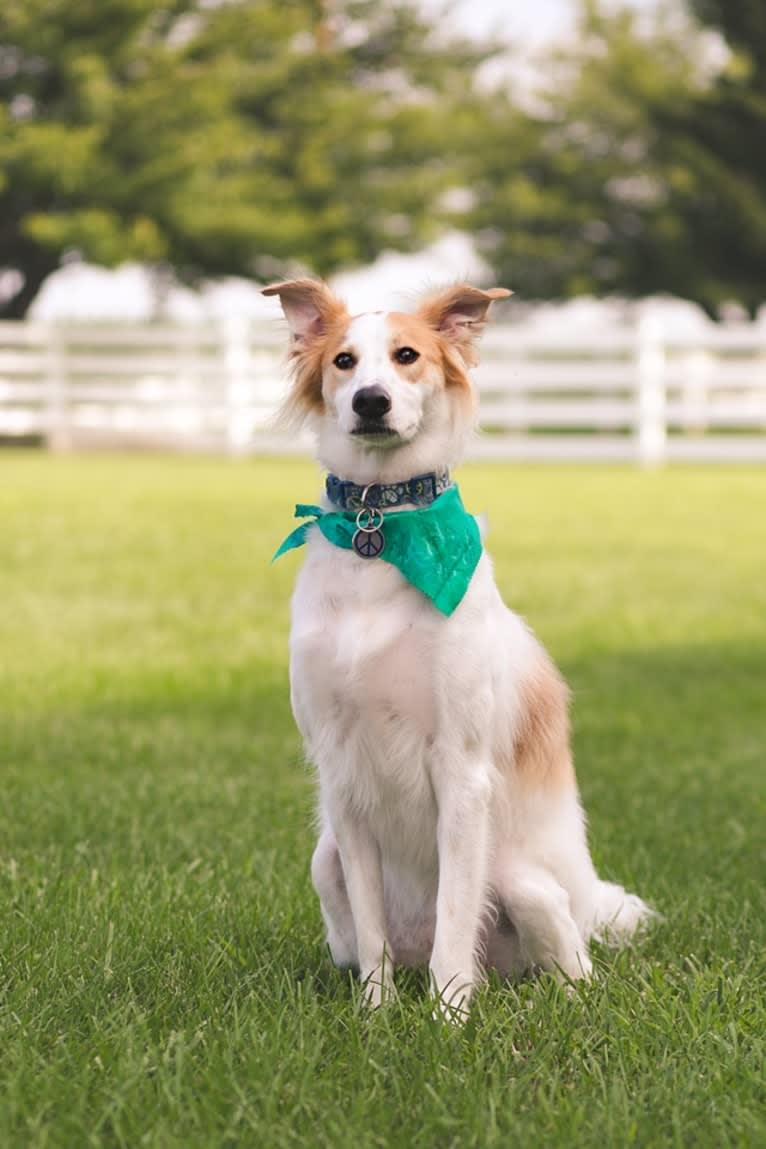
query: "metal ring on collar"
373, 522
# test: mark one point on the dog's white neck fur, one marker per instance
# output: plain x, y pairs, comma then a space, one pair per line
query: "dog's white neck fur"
362, 465
432, 436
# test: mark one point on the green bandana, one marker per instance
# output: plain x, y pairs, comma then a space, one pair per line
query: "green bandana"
436, 548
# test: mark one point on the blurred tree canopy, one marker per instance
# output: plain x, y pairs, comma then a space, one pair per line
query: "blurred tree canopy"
719, 135
645, 169
252, 137
233, 138
573, 199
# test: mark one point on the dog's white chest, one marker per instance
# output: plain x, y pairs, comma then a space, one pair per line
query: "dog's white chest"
363, 636
363, 693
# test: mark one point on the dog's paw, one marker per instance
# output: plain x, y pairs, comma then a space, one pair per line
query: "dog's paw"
445, 1013
378, 988
566, 968
452, 997
579, 967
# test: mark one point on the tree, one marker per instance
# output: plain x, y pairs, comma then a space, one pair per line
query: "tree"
643, 166
719, 134
574, 197
352, 125
235, 138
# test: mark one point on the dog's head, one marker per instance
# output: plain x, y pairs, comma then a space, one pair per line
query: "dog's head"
383, 384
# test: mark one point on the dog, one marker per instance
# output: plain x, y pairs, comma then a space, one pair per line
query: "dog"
451, 832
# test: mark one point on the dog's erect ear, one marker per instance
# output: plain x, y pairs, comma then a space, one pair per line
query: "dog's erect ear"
311, 310
309, 307
459, 313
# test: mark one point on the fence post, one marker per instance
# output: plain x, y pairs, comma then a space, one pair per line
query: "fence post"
236, 358
652, 428
58, 424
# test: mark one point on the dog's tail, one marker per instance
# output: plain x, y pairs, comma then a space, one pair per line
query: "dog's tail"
618, 915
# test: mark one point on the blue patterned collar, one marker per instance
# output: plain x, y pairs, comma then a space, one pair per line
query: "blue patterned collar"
419, 492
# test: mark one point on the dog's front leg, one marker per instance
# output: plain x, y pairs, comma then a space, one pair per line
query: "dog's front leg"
360, 856
463, 838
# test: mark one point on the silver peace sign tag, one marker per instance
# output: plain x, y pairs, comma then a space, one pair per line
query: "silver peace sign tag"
368, 540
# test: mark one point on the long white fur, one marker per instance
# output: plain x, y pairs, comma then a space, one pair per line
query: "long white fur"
431, 849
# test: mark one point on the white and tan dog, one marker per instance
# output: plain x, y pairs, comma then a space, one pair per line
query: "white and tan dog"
451, 829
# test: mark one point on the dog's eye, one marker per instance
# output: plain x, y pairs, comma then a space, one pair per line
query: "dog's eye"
406, 355
344, 361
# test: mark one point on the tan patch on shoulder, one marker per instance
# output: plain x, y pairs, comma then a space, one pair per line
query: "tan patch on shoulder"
541, 751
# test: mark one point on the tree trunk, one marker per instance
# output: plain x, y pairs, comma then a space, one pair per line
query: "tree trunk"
34, 277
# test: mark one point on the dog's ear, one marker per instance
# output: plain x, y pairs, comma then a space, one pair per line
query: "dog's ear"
309, 307
311, 311
459, 314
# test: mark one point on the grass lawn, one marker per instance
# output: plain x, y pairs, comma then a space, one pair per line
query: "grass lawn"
163, 980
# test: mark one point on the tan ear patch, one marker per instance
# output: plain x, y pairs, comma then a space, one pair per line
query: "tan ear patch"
315, 317
459, 314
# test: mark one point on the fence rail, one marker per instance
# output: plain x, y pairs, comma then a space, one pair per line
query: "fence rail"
628, 394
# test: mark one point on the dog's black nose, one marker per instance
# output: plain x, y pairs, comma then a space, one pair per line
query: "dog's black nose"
371, 402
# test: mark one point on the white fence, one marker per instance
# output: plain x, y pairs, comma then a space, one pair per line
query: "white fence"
628, 394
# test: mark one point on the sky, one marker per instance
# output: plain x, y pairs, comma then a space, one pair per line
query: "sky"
531, 21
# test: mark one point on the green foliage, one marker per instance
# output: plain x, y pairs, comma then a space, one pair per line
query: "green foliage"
220, 139
569, 202
719, 135
743, 25
255, 138
163, 981
642, 172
